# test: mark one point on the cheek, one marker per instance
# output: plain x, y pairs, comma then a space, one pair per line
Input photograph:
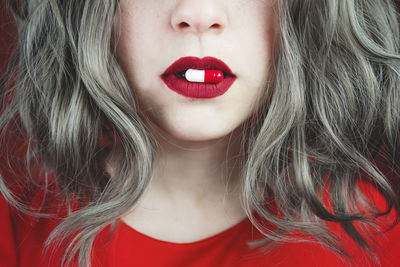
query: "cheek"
263, 52
124, 32
134, 52
135, 43
268, 32
266, 25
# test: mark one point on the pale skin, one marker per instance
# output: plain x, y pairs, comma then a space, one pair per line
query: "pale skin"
188, 199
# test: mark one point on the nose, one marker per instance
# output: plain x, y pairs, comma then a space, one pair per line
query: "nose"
199, 16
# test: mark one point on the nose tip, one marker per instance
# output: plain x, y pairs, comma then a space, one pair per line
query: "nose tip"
198, 16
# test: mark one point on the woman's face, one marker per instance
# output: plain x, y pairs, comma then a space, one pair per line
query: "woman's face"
157, 33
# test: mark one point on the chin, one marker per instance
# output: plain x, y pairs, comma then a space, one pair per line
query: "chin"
195, 133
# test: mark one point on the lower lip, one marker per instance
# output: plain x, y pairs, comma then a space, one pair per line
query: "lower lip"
198, 90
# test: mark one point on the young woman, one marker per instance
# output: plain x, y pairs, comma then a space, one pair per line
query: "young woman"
201, 133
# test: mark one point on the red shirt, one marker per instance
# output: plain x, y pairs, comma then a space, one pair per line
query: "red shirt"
23, 236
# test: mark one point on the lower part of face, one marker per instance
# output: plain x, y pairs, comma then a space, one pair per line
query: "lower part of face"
156, 33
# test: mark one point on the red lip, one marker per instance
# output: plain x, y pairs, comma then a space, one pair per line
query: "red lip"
198, 90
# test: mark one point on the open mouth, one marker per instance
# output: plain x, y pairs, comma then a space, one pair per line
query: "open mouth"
175, 77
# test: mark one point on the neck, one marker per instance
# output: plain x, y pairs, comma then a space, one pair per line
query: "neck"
197, 171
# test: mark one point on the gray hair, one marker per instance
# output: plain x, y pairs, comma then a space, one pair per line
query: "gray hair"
336, 86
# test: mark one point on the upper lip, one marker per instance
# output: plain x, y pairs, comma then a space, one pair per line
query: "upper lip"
206, 63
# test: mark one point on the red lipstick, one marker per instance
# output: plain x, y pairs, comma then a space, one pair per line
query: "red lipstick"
176, 82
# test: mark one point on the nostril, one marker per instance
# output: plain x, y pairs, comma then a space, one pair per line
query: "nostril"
216, 26
183, 25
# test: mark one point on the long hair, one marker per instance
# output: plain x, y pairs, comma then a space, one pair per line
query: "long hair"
336, 88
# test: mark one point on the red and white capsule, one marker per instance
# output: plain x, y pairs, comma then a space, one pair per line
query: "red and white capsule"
204, 76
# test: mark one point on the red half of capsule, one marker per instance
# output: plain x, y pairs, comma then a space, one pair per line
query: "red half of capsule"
213, 76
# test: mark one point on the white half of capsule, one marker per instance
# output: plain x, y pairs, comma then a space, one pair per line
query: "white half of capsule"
196, 76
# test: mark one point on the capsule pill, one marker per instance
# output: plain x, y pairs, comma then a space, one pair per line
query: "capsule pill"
204, 76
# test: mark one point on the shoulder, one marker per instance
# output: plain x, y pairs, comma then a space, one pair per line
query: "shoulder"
23, 236
384, 240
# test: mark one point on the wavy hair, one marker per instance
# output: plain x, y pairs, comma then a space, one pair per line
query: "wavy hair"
336, 86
